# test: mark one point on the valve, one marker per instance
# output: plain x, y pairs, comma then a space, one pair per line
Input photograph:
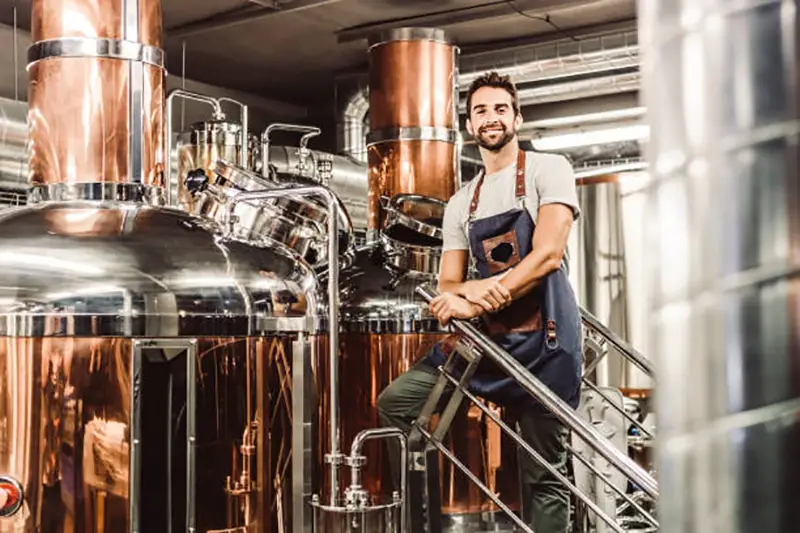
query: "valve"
11, 496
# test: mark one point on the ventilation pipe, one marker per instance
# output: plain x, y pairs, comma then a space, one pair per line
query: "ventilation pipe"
594, 60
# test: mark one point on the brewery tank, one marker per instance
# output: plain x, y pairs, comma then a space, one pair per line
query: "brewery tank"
386, 327
143, 358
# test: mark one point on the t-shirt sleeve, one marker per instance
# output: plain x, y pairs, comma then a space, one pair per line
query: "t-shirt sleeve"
453, 230
555, 184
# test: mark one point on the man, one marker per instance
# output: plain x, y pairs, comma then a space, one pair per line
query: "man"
509, 228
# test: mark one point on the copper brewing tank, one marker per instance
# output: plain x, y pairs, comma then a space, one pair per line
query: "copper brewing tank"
96, 93
146, 365
413, 118
386, 327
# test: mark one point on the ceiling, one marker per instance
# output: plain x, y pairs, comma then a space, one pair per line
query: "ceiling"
294, 52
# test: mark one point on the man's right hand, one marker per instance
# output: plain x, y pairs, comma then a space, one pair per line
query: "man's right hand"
447, 306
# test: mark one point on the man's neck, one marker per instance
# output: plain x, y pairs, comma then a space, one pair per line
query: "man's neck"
494, 161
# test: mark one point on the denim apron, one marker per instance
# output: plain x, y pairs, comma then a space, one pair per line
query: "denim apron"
541, 330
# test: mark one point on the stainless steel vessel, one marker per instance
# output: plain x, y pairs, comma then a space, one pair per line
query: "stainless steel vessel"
722, 99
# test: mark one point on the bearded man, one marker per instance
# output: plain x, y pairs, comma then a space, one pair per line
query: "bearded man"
504, 260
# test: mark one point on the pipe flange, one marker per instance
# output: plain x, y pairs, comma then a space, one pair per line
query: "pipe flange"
355, 461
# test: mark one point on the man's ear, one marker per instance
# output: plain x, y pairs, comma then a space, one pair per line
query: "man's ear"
469, 127
518, 121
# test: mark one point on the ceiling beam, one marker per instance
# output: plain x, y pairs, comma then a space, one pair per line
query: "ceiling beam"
251, 13
450, 17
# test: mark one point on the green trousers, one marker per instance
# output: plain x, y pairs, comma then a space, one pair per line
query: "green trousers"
545, 501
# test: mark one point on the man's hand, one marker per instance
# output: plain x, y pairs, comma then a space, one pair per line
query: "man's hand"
488, 293
447, 306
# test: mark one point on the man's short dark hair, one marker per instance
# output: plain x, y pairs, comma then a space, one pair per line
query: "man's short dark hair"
493, 79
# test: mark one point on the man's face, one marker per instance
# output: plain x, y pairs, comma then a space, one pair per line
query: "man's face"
492, 122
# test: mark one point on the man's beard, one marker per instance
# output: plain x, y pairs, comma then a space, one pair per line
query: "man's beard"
499, 143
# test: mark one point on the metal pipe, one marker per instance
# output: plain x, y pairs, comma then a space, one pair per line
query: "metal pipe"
536, 456
628, 352
244, 117
187, 95
550, 401
309, 131
334, 456
474, 479
355, 456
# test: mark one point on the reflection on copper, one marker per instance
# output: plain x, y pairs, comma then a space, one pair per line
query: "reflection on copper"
78, 116
410, 167
399, 99
65, 408
369, 363
79, 107
103, 19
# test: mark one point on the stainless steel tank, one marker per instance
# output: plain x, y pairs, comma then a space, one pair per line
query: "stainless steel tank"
721, 90
608, 264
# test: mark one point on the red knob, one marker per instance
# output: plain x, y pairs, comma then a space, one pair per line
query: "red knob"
11, 496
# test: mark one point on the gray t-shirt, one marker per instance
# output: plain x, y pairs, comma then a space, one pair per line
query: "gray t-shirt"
549, 179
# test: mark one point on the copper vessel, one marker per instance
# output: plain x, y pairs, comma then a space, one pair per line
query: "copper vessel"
85, 83
146, 364
413, 117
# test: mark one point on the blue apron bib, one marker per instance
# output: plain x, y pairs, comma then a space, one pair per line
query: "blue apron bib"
541, 330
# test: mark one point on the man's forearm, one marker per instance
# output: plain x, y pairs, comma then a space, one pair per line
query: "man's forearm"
524, 277
453, 287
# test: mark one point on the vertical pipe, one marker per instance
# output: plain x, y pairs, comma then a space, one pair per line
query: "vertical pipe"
721, 88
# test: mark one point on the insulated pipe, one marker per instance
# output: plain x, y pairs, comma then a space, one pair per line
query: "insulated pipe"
14, 151
723, 102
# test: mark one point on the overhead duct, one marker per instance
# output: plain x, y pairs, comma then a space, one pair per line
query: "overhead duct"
599, 58
13, 145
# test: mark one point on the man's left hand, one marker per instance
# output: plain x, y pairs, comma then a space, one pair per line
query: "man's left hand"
489, 293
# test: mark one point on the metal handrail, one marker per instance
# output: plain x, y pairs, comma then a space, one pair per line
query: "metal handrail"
624, 348
551, 401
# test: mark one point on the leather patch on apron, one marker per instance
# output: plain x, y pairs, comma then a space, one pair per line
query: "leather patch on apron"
501, 252
522, 316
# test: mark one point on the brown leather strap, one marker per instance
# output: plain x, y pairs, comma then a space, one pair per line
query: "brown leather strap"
519, 189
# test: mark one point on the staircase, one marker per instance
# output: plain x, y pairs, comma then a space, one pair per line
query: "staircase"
611, 491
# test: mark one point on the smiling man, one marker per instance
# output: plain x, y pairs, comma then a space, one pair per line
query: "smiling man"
504, 260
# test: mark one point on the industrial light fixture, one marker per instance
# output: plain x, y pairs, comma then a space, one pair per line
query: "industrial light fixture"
637, 132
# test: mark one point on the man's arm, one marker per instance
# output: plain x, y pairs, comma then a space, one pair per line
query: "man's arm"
453, 270
549, 244
558, 208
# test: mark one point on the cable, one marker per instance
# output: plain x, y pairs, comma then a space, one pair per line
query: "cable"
546, 18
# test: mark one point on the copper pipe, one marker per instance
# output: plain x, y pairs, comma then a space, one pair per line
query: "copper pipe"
406, 159
95, 118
